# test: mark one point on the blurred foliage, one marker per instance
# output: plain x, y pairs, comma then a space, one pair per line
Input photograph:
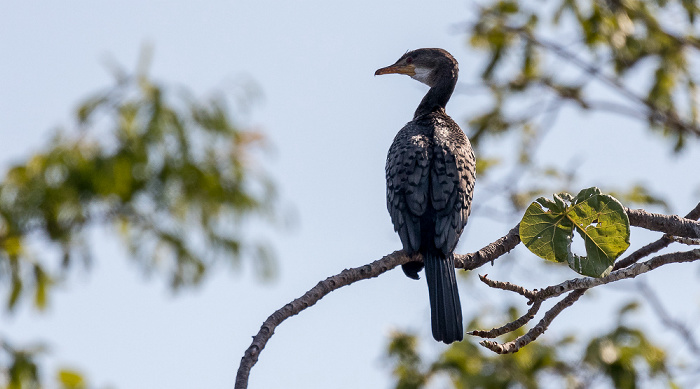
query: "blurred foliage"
623, 358
542, 57
635, 59
639, 194
173, 174
547, 230
604, 41
18, 368
70, 379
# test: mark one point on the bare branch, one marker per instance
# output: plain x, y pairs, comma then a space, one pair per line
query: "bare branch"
649, 249
688, 241
578, 286
671, 225
349, 276
346, 277
653, 247
471, 261
491, 252
536, 331
531, 295
628, 272
512, 326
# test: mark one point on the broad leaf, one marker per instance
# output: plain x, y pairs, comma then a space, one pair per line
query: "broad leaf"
547, 230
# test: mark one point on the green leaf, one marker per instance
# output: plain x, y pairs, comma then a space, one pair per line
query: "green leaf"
70, 379
42, 282
547, 234
16, 291
547, 230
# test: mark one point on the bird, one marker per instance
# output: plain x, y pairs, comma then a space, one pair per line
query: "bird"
430, 177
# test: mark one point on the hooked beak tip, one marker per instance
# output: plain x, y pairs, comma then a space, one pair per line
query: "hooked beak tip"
396, 69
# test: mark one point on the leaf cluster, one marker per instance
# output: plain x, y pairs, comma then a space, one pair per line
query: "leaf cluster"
631, 58
23, 370
548, 225
174, 174
533, 52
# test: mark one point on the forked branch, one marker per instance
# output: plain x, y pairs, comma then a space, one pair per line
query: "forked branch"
349, 276
346, 277
625, 268
577, 287
669, 224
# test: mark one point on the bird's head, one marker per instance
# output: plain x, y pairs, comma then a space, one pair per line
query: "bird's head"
424, 65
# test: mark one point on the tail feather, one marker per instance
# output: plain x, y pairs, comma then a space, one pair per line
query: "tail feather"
445, 308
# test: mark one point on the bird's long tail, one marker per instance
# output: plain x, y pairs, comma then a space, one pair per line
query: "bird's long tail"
445, 308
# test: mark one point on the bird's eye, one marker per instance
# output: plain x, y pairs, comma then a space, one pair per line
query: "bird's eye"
409, 60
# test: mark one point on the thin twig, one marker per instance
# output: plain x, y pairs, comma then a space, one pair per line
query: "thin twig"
654, 247
491, 252
536, 331
577, 287
686, 241
628, 272
346, 277
509, 327
529, 294
642, 252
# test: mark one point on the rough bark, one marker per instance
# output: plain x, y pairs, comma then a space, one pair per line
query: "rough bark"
626, 268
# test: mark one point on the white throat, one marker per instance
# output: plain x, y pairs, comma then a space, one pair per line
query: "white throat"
422, 75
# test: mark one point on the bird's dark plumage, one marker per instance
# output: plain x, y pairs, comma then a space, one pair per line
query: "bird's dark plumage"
430, 174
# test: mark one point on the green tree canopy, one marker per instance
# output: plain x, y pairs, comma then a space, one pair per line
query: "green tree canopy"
175, 176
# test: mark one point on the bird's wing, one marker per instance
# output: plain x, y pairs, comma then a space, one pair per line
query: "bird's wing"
407, 168
451, 188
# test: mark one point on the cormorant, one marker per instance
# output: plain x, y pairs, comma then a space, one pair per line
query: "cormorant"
430, 174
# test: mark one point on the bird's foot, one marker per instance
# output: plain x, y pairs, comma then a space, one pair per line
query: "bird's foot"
411, 269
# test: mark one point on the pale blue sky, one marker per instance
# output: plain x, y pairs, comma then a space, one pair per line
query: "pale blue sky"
330, 123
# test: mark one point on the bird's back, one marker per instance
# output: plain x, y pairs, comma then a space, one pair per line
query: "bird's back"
430, 174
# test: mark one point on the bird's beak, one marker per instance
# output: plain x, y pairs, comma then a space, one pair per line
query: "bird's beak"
398, 69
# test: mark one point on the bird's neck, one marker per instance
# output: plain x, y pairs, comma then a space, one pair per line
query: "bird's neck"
439, 94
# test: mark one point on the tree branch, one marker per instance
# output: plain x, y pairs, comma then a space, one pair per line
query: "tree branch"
512, 326
628, 272
578, 287
349, 276
686, 241
346, 277
491, 252
536, 331
529, 294
653, 247
671, 225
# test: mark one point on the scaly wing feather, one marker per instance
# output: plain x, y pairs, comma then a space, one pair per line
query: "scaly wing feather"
407, 169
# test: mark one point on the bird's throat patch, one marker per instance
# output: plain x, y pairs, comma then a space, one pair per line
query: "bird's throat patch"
422, 75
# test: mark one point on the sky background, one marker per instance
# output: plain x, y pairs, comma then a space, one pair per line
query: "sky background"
329, 123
